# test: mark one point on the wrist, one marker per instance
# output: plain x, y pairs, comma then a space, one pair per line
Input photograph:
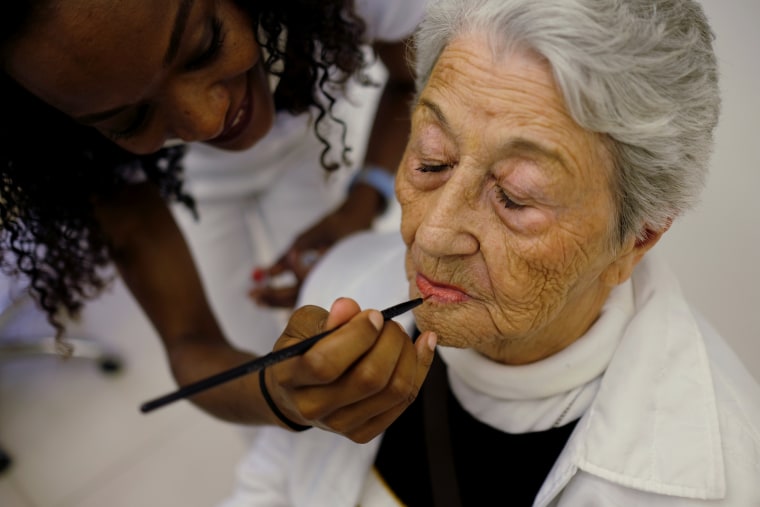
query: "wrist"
379, 179
273, 407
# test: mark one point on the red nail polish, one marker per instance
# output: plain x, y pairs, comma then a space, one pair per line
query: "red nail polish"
259, 275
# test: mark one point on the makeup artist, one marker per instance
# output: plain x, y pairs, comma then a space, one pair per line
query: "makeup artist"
92, 90
553, 144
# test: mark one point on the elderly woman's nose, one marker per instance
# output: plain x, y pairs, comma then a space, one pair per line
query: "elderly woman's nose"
449, 224
198, 113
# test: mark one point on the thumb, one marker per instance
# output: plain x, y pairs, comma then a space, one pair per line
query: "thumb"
341, 311
425, 347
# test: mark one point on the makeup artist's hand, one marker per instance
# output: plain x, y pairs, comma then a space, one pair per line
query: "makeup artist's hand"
269, 289
357, 380
355, 214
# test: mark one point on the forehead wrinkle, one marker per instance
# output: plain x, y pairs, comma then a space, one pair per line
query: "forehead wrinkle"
469, 76
471, 61
428, 107
513, 144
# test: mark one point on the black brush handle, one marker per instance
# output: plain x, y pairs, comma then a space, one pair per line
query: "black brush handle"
261, 362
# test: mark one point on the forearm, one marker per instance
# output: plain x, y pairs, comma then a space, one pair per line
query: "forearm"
157, 267
389, 133
370, 193
390, 129
238, 401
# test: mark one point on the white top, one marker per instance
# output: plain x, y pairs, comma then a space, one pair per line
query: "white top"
675, 420
390, 20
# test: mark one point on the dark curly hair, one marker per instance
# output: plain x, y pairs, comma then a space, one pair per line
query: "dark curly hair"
52, 167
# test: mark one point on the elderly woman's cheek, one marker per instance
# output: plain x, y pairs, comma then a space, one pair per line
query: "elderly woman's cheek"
528, 221
413, 185
412, 206
530, 300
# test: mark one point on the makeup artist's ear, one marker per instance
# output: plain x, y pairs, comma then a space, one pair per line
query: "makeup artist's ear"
631, 253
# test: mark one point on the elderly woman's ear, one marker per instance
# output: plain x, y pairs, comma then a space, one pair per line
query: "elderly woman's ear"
650, 237
631, 253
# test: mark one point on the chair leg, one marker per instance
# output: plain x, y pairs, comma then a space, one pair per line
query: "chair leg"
107, 360
19, 341
5, 460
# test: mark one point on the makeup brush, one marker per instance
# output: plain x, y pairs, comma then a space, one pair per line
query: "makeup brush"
261, 362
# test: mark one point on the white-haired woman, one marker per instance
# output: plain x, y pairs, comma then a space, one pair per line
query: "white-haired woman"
553, 143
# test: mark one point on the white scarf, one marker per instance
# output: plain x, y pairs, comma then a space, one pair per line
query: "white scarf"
545, 394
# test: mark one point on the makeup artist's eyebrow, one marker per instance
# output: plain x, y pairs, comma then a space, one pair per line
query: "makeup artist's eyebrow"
100, 116
518, 144
180, 21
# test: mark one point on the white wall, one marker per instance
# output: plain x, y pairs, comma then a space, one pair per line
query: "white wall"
715, 249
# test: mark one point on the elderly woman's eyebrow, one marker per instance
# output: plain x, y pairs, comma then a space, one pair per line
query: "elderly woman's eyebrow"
530, 147
512, 145
432, 107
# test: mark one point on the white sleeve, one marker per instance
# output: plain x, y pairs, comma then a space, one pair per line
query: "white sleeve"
390, 20
262, 475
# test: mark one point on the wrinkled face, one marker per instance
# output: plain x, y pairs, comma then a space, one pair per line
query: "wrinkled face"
507, 208
144, 71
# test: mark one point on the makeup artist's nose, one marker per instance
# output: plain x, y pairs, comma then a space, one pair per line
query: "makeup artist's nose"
198, 111
451, 219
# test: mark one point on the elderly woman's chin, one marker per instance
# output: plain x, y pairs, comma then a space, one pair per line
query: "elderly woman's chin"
458, 330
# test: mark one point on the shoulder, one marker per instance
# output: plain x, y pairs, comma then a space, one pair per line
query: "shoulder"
677, 417
732, 380
367, 266
737, 395
390, 20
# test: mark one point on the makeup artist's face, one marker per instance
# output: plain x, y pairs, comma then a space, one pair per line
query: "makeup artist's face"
144, 71
507, 208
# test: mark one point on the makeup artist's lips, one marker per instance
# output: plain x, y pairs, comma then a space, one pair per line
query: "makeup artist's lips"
440, 293
238, 122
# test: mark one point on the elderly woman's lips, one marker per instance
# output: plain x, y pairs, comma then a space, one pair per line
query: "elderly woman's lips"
439, 292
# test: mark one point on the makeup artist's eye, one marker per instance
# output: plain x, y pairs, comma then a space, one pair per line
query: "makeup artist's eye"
213, 49
134, 127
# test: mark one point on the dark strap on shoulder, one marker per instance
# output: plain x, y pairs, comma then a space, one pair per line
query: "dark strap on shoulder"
443, 477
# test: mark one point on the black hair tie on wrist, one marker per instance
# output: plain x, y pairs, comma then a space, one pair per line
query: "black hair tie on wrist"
276, 411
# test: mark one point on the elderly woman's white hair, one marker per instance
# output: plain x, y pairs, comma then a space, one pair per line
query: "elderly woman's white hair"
643, 72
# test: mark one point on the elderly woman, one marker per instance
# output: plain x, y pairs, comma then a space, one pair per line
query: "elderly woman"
553, 143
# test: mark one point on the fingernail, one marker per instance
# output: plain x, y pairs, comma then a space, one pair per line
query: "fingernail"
332, 306
259, 275
432, 341
376, 318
